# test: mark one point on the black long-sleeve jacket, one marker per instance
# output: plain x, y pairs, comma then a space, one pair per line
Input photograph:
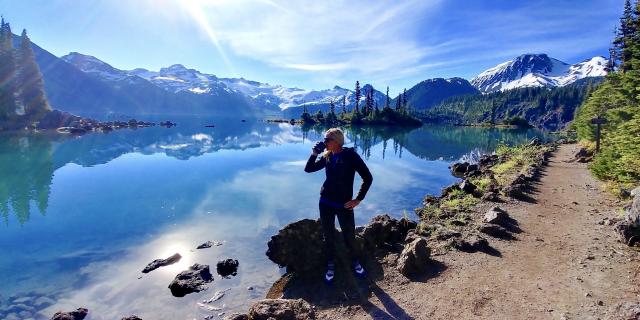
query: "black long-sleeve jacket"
340, 171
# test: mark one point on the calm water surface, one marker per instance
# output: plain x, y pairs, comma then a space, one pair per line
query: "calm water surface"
80, 217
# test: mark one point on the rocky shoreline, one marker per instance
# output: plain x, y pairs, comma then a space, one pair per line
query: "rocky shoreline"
66, 123
467, 217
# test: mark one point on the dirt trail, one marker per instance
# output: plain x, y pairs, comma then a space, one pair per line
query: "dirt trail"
563, 265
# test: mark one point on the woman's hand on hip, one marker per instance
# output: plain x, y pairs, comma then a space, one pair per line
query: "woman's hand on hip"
352, 204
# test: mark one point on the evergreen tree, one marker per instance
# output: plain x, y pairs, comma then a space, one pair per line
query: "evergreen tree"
623, 41
404, 99
344, 104
387, 103
368, 101
332, 106
29, 81
7, 73
357, 97
398, 102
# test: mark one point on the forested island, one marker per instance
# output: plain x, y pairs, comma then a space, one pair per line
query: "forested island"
367, 114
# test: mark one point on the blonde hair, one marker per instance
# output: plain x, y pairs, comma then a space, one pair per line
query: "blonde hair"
336, 135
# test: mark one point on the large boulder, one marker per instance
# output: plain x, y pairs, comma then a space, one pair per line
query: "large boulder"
281, 309
77, 314
414, 258
157, 263
298, 247
193, 280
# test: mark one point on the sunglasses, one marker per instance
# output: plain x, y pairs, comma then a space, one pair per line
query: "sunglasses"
327, 140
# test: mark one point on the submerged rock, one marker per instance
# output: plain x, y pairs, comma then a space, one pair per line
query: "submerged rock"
228, 267
281, 309
193, 280
155, 264
209, 244
78, 314
132, 317
414, 258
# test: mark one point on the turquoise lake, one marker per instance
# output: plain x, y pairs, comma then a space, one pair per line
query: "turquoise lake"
80, 217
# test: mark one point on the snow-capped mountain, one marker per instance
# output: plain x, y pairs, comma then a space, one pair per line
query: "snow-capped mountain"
537, 70
95, 66
282, 96
177, 78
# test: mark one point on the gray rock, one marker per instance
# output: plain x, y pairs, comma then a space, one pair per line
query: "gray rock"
632, 211
467, 186
281, 309
414, 258
132, 317
496, 215
193, 280
155, 264
78, 314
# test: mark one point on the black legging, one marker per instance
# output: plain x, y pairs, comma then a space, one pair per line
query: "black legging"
347, 224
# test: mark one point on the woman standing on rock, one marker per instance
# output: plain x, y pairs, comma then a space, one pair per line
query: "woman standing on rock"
336, 195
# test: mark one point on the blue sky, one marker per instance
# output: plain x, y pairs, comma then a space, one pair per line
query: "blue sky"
319, 44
